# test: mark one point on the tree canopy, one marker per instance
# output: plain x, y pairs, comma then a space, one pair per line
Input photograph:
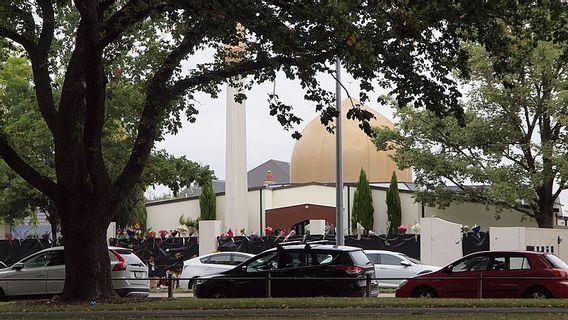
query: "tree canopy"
80, 51
512, 151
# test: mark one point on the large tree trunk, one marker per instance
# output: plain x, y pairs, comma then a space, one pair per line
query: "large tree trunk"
87, 263
545, 218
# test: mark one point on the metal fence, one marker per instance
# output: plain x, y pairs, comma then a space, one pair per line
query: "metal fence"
268, 279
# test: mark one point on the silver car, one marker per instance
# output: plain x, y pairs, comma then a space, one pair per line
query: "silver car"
129, 274
396, 265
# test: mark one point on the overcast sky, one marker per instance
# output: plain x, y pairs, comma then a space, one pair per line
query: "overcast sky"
204, 140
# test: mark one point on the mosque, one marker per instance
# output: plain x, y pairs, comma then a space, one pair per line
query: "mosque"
281, 194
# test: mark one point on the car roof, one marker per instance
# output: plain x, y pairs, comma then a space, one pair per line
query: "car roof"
505, 252
315, 246
383, 251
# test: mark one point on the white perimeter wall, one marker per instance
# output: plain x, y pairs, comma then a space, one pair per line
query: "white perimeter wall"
470, 214
538, 238
440, 241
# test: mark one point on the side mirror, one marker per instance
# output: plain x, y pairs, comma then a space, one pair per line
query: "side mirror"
18, 266
447, 269
405, 263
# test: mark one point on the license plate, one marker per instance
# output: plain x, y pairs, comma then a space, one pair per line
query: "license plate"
138, 274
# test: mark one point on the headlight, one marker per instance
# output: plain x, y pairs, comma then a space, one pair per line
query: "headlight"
402, 284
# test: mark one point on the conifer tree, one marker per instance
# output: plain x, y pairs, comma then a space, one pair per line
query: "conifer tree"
363, 204
208, 202
394, 212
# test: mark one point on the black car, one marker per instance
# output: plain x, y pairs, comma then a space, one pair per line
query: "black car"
295, 271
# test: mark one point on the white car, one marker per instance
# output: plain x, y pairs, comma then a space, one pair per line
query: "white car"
129, 273
390, 264
210, 264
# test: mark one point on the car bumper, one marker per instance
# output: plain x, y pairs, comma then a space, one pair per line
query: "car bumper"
133, 292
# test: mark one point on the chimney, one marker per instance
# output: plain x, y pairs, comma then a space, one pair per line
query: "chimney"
268, 180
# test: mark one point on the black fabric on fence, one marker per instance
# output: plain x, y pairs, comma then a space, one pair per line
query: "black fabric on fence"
162, 255
11, 251
408, 244
474, 242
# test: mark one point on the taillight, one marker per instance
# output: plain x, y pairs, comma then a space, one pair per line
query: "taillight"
350, 269
560, 273
121, 264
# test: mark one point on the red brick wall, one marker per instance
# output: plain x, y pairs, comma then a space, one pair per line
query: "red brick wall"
285, 218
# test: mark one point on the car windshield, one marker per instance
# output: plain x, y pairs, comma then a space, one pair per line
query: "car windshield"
556, 262
411, 259
359, 258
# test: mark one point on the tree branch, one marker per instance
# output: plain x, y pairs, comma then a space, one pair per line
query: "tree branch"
39, 56
34, 178
131, 13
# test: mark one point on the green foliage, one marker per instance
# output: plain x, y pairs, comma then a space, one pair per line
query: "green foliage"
208, 202
363, 209
512, 150
189, 221
394, 212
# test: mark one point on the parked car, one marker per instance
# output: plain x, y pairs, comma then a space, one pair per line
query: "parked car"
515, 275
396, 265
295, 271
129, 273
209, 264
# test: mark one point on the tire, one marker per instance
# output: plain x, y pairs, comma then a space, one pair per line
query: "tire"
219, 293
424, 292
3, 295
190, 283
537, 293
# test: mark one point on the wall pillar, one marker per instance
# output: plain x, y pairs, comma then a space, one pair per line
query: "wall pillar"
209, 230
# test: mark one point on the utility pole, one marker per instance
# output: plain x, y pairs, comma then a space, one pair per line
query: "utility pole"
340, 238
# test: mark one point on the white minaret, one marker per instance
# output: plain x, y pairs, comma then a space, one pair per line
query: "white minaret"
236, 184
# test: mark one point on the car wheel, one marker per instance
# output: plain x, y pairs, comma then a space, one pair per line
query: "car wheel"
219, 294
537, 293
3, 295
424, 292
191, 282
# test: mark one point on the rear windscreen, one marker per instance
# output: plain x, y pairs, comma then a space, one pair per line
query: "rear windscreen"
359, 258
556, 262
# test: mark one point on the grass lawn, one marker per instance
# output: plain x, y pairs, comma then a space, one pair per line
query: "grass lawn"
278, 303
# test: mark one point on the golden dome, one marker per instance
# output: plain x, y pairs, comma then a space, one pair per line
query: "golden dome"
313, 159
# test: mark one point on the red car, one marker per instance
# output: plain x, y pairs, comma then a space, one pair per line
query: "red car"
498, 274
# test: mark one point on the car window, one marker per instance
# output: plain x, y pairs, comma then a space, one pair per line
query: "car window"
556, 262
57, 258
292, 259
239, 258
224, 258
359, 258
264, 263
390, 260
132, 259
499, 264
478, 263
38, 261
374, 257
323, 258
519, 263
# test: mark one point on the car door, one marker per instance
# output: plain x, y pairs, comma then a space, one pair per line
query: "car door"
251, 277
28, 277
509, 272
55, 272
390, 267
291, 264
463, 275
216, 264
